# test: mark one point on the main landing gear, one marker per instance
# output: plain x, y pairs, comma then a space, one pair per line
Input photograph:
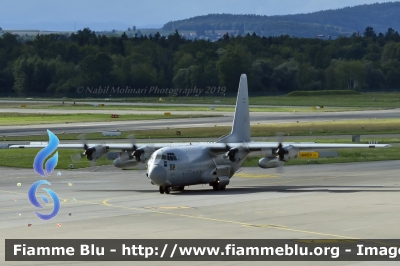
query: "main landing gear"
165, 190
219, 187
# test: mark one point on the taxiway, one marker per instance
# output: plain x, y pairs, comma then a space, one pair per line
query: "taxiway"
338, 201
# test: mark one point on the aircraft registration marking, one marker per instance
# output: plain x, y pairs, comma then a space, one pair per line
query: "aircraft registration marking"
308, 154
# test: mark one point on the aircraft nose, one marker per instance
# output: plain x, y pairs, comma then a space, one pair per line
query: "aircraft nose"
158, 175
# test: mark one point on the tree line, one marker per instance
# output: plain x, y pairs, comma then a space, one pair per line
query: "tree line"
56, 64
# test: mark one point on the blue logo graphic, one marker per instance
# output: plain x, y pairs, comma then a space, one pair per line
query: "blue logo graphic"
49, 167
44, 153
34, 201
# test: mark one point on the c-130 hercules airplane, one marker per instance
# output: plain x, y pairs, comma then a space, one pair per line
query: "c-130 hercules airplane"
177, 165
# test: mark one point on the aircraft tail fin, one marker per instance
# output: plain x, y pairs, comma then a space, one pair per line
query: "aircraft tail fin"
241, 121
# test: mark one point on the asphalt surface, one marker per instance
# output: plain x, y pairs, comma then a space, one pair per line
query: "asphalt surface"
338, 201
262, 118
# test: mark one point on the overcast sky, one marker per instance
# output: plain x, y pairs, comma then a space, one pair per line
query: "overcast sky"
121, 14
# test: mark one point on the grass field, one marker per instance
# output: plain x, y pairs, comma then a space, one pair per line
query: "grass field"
7, 119
24, 158
369, 100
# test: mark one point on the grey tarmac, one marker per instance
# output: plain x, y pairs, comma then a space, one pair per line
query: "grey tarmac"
340, 201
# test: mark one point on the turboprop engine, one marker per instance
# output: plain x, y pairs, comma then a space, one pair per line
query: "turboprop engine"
282, 154
143, 154
125, 161
269, 162
286, 153
236, 153
95, 153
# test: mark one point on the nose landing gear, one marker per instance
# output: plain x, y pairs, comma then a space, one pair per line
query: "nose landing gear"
165, 190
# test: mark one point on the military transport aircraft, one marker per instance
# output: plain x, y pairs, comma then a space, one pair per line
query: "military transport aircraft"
177, 165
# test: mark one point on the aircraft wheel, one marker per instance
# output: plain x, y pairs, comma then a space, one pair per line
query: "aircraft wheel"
216, 187
181, 188
161, 189
222, 188
167, 189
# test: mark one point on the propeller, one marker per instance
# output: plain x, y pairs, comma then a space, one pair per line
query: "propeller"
88, 152
132, 140
135, 153
280, 152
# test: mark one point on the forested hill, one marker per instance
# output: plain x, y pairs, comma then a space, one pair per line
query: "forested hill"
339, 22
59, 65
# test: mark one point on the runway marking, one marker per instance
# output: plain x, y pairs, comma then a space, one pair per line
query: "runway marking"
265, 226
246, 175
297, 180
358, 228
30, 207
169, 207
278, 227
12, 192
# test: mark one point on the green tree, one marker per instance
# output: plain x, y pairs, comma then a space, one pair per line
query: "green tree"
286, 76
351, 74
369, 32
124, 37
183, 60
262, 72
97, 69
374, 78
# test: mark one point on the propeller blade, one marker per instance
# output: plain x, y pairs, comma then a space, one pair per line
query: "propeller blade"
280, 152
125, 157
93, 166
280, 137
82, 137
280, 168
76, 157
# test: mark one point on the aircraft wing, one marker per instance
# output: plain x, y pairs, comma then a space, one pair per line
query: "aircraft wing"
254, 146
110, 146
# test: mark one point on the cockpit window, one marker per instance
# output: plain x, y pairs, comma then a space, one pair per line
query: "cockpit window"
164, 157
171, 157
158, 156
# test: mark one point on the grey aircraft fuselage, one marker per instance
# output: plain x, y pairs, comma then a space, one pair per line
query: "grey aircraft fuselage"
191, 165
